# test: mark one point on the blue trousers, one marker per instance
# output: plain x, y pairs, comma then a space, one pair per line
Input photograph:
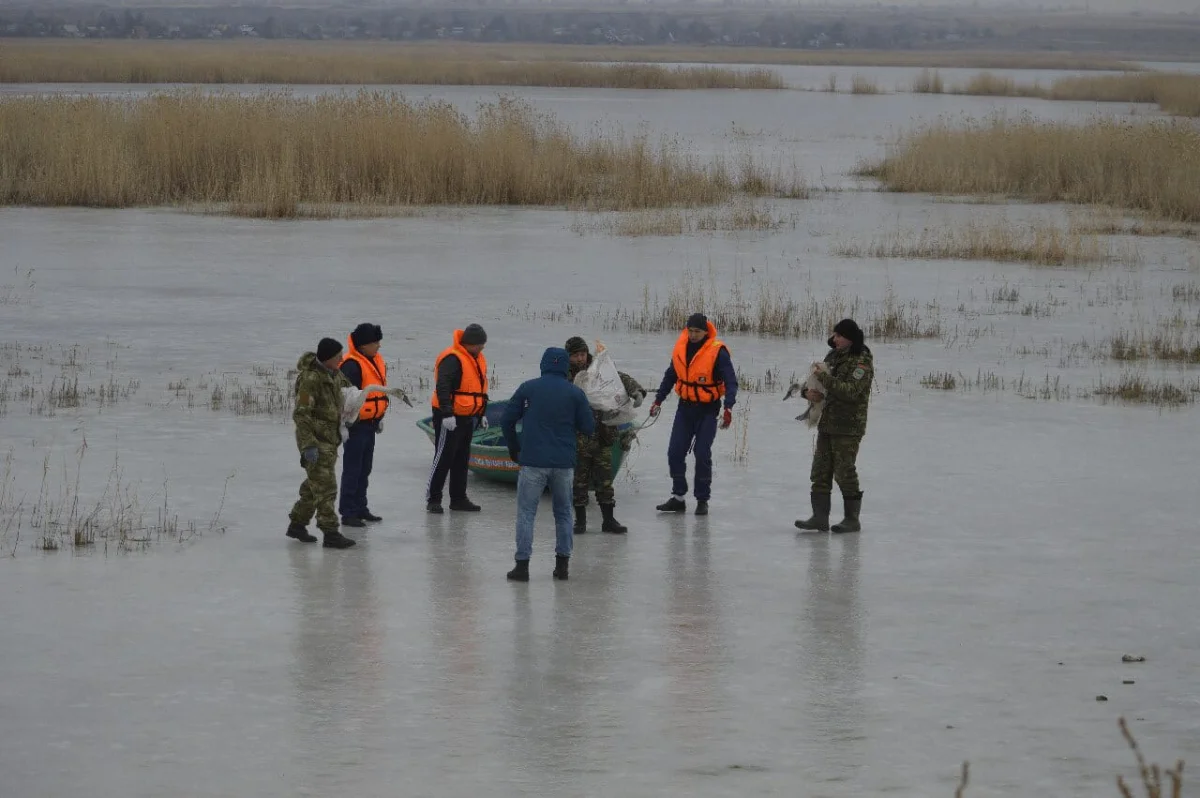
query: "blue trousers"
531, 483
358, 455
694, 424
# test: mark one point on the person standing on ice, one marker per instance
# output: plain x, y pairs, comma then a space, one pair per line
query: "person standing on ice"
847, 383
552, 412
702, 374
318, 420
460, 397
362, 366
594, 452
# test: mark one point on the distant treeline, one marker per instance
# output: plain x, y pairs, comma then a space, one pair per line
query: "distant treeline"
883, 28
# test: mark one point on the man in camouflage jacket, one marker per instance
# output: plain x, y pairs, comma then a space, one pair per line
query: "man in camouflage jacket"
593, 465
318, 419
843, 424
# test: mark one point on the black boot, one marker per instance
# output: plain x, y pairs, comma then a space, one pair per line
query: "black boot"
850, 523
580, 519
820, 513
336, 540
611, 524
521, 572
560, 566
702, 508
672, 505
371, 518
464, 505
300, 533
354, 521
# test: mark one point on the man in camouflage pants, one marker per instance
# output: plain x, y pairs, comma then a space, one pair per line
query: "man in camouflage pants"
593, 465
841, 429
318, 419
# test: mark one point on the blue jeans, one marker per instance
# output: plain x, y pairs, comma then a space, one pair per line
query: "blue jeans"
358, 455
530, 484
698, 423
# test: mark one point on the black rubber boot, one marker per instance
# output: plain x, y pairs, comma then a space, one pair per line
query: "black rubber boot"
611, 524
560, 566
336, 540
702, 508
820, 513
672, 505
850, 523
521, 572
580, 519
300, 533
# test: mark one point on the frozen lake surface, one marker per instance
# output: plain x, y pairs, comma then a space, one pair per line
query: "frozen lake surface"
1017, 540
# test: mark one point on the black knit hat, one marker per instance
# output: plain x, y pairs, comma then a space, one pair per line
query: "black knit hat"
697, 321
576, 344
849, 329
366, 333
474, 334
328, 348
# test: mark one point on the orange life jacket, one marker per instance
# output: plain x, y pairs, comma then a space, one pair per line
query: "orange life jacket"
697, 381
374, 372
472, 391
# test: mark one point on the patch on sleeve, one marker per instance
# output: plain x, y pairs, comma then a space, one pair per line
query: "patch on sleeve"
305, 399
859, 373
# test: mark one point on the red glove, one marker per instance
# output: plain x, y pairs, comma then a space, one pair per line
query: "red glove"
655, 408
727, 419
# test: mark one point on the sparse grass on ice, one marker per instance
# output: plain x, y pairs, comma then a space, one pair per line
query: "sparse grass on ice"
1146, 166
272, 154
740, 216
767, 308
1038, 243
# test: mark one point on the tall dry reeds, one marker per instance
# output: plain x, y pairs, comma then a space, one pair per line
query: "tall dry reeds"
301, 63
861, 84
986, 83
270, 154
1149, 166
928, 82
1174, 92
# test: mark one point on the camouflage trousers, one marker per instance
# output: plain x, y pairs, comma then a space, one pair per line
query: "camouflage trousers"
834, 460
318, 492
593, 468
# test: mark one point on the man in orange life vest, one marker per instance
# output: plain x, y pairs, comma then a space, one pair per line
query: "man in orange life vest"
701, 372
362, 365
459, 398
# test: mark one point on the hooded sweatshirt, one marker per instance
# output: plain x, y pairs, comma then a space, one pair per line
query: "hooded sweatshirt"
552, 412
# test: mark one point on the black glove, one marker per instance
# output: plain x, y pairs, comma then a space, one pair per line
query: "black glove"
515, 455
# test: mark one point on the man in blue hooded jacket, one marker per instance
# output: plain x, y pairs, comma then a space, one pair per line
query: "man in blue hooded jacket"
552, 413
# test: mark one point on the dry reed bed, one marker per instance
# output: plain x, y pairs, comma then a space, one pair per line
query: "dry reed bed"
1175, 93
220, 63
1147, 166
370, 62
270, 153
1040, 243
